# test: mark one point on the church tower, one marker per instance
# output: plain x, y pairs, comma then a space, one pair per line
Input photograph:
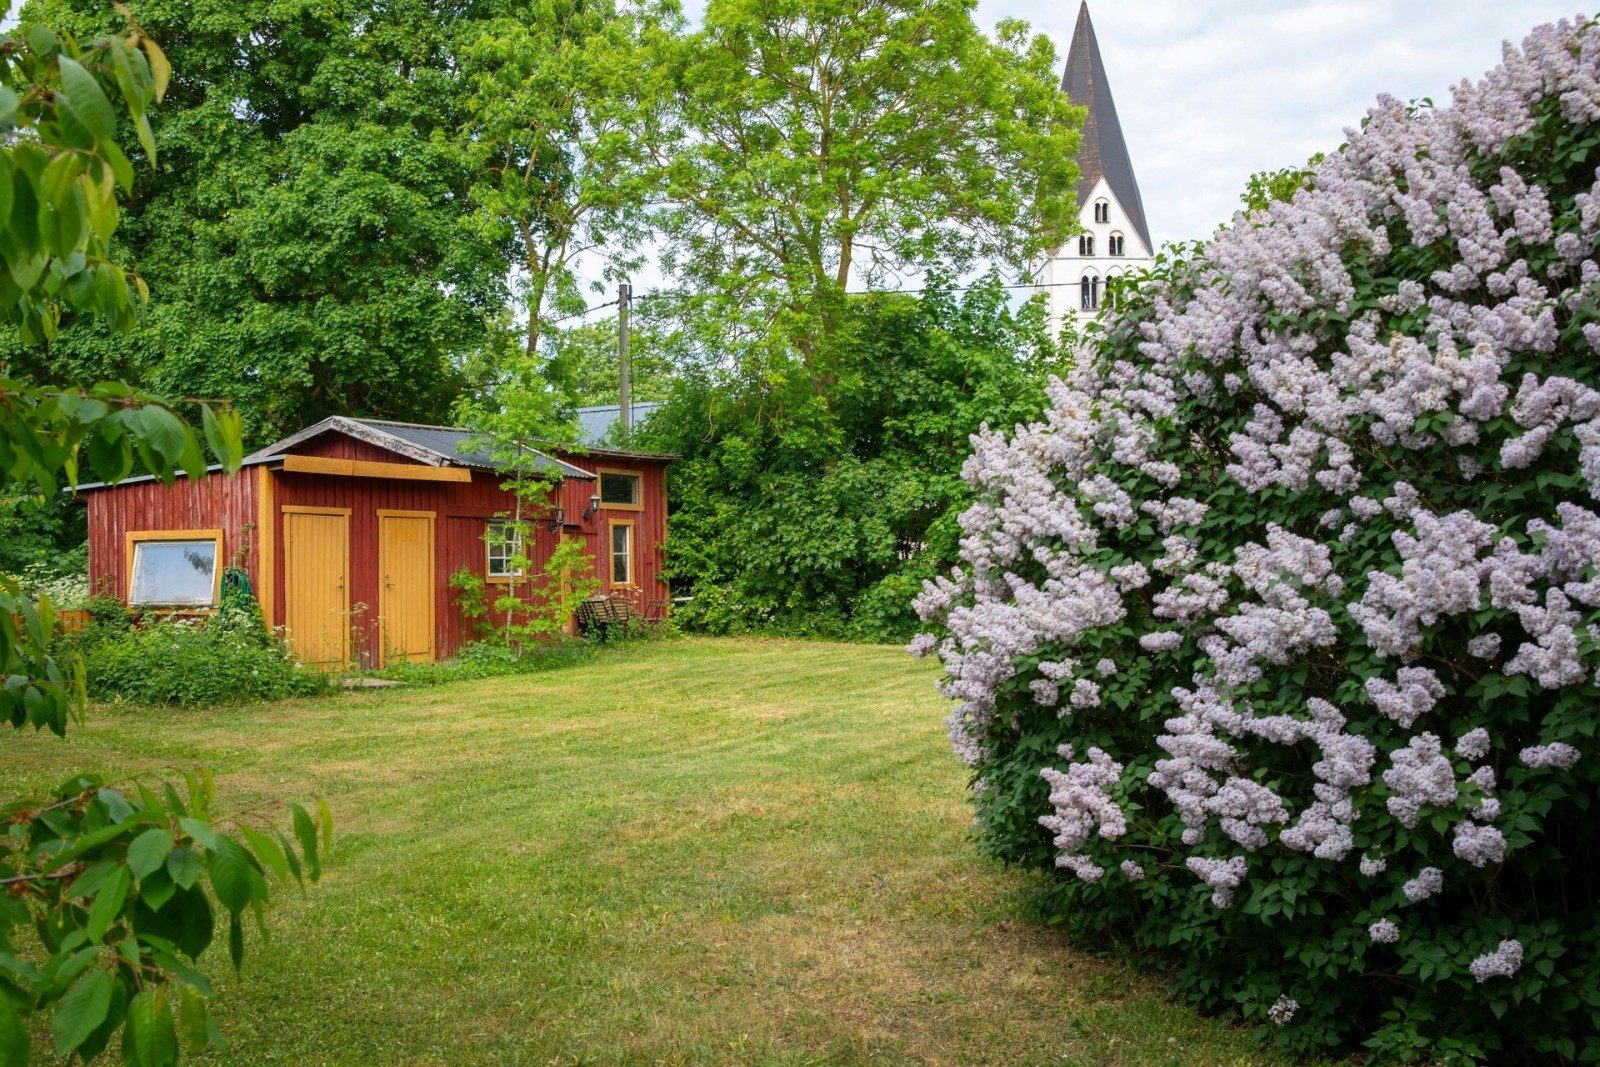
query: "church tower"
1115, 238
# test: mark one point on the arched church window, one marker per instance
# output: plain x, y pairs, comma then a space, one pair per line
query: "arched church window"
1114, 244
1086, 245
1102, 211
1090, 293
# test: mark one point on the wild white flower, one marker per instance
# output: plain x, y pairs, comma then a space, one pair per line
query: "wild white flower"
1383, 932
1282, 1010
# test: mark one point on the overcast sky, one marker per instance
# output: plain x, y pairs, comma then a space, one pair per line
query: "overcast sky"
1210, 91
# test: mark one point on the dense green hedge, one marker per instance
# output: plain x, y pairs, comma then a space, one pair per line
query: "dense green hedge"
225, 659
1278, 638
814, 499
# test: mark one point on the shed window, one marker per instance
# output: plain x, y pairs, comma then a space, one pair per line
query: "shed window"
619, 489
622, 553
175, 570
505, 546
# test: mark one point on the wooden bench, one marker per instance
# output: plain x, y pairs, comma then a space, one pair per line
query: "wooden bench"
599, 614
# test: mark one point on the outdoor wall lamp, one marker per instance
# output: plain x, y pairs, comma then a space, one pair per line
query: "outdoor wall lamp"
594, 505
558, 520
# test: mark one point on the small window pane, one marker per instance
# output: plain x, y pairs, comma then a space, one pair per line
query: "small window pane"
619, 489
505, 543
174, 573
622, 555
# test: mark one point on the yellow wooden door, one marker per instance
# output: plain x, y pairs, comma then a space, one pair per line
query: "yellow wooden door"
316, 583
405, 585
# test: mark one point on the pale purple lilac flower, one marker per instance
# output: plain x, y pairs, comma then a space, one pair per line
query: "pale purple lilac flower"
1557, 754
1503, 962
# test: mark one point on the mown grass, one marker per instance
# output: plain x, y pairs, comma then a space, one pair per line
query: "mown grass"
685, 853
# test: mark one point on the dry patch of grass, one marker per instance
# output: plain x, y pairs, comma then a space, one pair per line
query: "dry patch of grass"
691, 853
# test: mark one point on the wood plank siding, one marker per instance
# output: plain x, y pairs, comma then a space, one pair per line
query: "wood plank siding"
461, 513
214, 502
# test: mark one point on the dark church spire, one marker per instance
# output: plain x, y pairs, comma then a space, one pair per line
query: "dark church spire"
1104, 153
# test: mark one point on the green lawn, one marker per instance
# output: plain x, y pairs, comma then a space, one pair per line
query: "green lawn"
694, 852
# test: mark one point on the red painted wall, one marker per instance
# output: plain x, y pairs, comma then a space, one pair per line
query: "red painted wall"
214, 502
461, 513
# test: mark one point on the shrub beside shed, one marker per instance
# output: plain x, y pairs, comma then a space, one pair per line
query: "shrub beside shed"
350, 529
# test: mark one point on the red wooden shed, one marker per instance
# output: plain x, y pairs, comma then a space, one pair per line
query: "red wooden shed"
350, 529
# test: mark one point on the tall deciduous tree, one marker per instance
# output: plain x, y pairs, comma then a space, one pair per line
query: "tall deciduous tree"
549, 132
305, 232
819, 142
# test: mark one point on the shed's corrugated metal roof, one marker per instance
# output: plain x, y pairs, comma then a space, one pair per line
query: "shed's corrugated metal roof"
435, 445
595, 423
249, 461
457, 445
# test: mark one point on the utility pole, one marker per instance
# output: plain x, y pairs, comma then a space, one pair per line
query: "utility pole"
624, 298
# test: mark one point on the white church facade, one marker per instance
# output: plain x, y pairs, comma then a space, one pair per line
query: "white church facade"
1114, 237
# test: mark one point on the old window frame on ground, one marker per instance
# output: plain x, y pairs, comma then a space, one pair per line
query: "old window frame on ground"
638, 488
133, 540
630, 555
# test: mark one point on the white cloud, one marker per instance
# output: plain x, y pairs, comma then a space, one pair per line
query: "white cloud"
1210, 91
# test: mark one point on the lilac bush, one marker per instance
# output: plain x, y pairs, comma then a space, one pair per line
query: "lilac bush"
1277, 636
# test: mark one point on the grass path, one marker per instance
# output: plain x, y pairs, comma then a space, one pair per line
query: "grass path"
688, 853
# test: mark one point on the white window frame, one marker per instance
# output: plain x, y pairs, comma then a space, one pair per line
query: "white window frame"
629, 554
503, 547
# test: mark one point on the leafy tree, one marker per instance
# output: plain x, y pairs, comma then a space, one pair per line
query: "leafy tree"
103, 899
36, 531
585, 361
825, 520
305, 233
816, 142
1266, 187
549, 135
